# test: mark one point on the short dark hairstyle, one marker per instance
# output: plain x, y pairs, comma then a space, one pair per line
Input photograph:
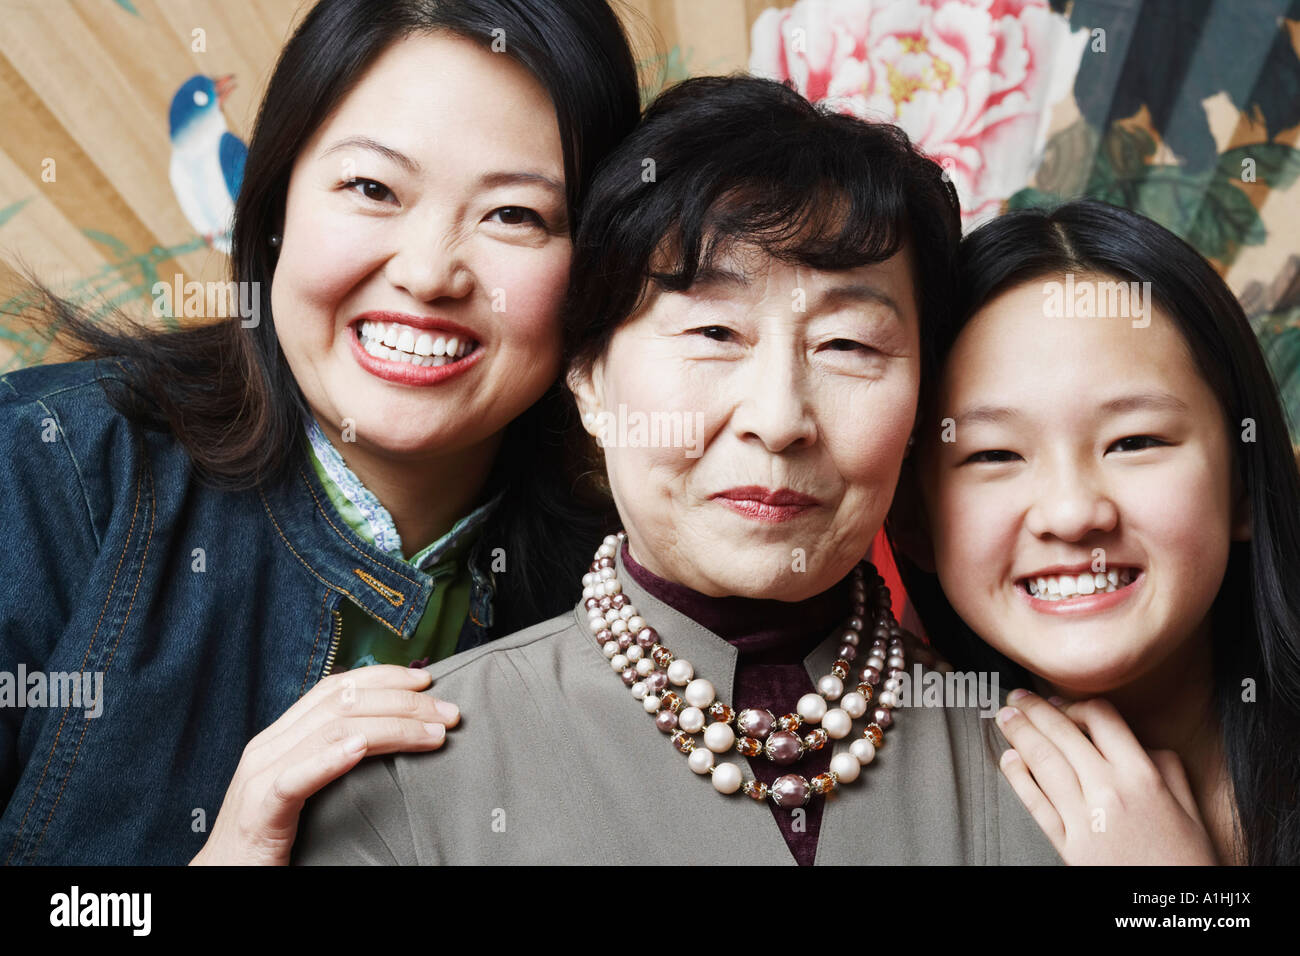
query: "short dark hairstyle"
1256, 615
726, 160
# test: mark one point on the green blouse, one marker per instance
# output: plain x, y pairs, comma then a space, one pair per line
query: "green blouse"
364, 640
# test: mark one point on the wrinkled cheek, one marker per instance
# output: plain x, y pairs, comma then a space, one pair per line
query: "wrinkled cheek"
868, 436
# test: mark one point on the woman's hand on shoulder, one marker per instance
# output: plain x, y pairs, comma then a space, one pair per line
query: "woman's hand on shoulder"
345, 717
1098, 794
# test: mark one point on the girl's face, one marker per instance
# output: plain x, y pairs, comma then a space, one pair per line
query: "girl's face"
426, 216
774, 489
1080, 502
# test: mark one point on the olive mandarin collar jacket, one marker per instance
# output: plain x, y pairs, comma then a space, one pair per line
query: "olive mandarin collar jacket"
555, 762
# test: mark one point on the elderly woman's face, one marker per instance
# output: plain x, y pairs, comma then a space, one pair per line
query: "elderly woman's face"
754, 425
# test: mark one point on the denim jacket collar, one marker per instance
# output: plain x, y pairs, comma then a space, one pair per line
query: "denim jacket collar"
386, 587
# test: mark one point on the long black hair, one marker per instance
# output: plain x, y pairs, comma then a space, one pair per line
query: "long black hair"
226, 392
1256, 614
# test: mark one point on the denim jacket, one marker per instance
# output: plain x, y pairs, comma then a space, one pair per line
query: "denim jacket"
150, 626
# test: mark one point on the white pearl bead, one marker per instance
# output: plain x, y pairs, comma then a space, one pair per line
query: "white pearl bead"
627, 612
645, 667
892, 684
887, 699
830, 687
877, 662
680, 672
588, 591
635, 623
811, 707
864, 750
611, 616
700, 760
613, 586
597, 624
719, 737
726, 778
700, 693
651, 704
837, 723
617, 626
611, 541
639, 689
635, 653
610, 648
896, 661
846, 767
618, 662
691, 720
607, 574
854, 704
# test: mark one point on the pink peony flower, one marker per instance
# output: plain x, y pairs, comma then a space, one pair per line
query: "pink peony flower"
972, 82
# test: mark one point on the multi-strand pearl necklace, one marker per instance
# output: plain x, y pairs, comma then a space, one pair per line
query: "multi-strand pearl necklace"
639, 657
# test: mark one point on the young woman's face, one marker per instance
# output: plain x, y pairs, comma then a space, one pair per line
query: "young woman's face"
775, 369
1078, 444
427, 214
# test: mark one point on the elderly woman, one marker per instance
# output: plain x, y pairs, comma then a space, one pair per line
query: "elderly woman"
753, 285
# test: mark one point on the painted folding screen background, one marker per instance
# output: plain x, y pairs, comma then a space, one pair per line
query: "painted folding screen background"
1186, 110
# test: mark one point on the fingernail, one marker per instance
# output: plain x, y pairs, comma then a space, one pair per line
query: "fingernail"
1009, 756
1006, 713
1055, 701
448, 710
1017, 694
354, 744
436, 731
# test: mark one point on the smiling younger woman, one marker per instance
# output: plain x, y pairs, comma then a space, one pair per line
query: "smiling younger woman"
372, 473
1114, 508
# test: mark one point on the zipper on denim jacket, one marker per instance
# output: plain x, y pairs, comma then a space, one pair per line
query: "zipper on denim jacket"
334, 643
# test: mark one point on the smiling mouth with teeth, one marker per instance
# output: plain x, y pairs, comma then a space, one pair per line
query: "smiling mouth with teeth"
401, 343
1060, 587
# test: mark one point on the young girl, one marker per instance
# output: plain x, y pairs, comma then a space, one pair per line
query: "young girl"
1113, 506
373, 469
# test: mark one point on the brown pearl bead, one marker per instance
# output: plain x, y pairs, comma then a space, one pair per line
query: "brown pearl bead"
783, 747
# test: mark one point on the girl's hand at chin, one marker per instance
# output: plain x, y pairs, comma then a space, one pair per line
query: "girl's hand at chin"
1100, 797
347, 716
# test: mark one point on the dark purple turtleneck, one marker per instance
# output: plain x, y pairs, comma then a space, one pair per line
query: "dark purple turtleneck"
771, 638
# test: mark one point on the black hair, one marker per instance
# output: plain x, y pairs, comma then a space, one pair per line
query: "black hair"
726, 160
1256, 614
226, 392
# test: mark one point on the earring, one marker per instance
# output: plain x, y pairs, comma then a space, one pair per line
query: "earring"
275, 240
588, 418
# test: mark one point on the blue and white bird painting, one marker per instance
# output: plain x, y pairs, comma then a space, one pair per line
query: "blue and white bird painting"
207, 163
